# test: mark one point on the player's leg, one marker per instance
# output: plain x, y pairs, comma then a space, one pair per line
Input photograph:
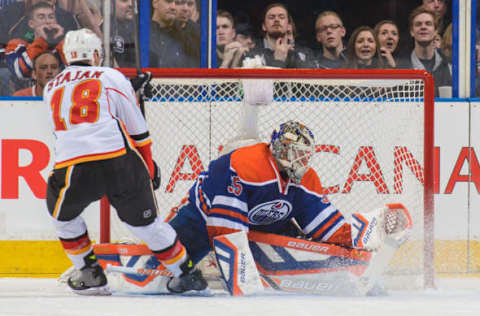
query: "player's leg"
130, 192
69, 192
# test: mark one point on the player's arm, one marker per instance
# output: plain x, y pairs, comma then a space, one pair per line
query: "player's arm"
364, 230
128, 111
227, 210
321, 221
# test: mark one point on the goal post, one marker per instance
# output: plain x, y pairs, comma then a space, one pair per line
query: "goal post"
374, 131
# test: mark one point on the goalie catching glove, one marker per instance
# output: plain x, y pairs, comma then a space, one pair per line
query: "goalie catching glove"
370, 229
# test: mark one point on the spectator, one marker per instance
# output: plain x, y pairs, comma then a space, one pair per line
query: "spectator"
14, 24
274, 50
14, 19
447, 42
363, 49
187, 32
227, 47
123, 34
437, 41
387, 35
86, 12
44, 34
195, 17
245, 35
45, 67
422, 25
95, 8
439, 8
165, 49
291, 35
243, 42
330, 32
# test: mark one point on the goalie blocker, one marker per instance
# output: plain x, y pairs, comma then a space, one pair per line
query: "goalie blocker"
273, 262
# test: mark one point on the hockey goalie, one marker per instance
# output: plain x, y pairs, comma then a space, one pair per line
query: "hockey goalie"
260, 208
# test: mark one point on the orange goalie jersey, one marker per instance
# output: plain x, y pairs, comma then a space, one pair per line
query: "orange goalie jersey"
93, 103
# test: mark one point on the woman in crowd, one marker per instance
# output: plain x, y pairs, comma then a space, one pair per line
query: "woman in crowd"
363, 50
387, 34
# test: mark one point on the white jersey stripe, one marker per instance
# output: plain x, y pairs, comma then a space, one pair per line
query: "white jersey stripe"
222, 222
324, 214
230, 201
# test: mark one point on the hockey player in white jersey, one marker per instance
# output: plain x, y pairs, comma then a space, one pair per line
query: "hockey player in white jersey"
103, 148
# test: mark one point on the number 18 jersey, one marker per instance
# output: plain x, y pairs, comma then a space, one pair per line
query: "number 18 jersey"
93, 111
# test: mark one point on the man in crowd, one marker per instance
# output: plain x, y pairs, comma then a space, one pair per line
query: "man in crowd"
187, 31
275, 50
123, 32
227, 47
439, 7
45, 67
330, 32
423, 25
44, 34
166, 51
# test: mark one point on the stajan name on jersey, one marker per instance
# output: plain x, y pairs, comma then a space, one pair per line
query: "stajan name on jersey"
69, 76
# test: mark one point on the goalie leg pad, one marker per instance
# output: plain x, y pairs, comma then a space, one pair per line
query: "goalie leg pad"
236, 264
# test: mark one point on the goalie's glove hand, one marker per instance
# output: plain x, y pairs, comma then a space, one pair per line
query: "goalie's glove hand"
141, 84
156, 176
369, 230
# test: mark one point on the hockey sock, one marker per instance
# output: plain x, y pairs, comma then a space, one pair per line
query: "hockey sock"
173, 257
79, 250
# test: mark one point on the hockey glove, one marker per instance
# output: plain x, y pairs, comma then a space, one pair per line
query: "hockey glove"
141, 84
157, 178
370, 229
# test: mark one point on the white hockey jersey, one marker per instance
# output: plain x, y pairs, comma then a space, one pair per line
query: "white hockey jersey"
93, 111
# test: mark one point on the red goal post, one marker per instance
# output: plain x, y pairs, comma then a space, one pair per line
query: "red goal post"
383, 119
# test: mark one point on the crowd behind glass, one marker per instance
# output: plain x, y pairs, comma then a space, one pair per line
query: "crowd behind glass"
33, 30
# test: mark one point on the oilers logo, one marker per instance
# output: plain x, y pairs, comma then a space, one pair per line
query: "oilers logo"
269, 212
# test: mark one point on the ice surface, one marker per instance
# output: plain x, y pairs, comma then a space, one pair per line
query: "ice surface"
47, 297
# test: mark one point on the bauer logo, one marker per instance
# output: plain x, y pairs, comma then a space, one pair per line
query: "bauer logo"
269, 212
370, 228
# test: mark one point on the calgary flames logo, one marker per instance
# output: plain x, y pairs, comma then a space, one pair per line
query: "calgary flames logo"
269, 212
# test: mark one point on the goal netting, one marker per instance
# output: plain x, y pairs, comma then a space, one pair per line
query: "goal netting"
373, 128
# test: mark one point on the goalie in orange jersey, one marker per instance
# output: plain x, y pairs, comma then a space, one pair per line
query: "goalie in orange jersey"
262, 187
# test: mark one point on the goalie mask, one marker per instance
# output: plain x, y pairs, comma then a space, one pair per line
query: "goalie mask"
292, 145
81, 45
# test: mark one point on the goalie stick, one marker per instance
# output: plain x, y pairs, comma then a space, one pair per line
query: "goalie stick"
139, 271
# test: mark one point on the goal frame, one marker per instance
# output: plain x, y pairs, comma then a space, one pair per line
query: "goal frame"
373, 74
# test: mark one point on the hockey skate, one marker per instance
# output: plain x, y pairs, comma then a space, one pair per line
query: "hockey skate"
90, 280
191, 281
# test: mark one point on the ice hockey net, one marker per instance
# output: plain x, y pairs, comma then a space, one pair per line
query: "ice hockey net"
373, 128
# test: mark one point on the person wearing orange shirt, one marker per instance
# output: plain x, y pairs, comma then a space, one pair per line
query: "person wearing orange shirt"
45, 67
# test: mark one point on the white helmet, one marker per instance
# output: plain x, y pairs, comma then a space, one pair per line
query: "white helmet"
293, 144
80, 45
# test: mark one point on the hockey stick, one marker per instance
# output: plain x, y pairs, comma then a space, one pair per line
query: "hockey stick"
138, 65
131, 270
